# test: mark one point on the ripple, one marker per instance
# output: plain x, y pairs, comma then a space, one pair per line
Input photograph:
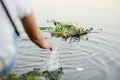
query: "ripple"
98, 56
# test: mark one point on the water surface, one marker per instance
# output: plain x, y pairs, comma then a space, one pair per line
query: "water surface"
95, 59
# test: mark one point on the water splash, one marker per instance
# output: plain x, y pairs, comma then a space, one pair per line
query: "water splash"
53, 63
54, 71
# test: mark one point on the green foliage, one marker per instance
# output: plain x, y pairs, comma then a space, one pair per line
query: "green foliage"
36, 74
46, 28
15, 77
32, 75
68, 30
59, 26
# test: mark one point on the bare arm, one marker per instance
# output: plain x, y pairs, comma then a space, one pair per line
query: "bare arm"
34, 33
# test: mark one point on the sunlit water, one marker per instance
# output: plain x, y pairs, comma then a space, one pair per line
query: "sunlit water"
95, 59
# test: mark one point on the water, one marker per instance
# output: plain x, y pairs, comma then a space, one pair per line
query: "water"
95, 59
52, 64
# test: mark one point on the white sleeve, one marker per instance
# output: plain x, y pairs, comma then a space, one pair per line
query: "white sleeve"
23, 8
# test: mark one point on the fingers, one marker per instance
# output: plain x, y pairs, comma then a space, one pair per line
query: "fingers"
48, 45
51, 49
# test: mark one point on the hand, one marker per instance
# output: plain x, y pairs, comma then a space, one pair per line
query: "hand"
47, 45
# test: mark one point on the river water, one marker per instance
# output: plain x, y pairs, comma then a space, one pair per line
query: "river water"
95, 59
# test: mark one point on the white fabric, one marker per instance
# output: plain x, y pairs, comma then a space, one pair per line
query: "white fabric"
17, 8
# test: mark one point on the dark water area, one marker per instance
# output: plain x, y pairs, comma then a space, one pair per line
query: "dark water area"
95, 59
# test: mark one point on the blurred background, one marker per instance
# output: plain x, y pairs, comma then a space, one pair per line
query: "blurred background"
75, 10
